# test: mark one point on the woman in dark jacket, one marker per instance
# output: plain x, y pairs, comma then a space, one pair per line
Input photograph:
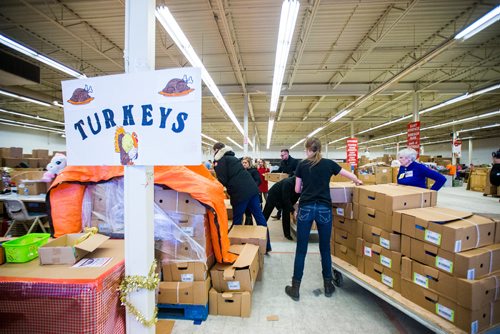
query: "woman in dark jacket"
247, 164
240, 186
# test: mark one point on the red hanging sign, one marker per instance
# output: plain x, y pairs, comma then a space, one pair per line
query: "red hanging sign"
413, 139
352, 151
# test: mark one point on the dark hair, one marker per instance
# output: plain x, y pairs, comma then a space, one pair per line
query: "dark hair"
218, 146
285, 150
496, 154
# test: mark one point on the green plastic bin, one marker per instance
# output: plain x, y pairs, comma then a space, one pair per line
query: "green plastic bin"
25, 248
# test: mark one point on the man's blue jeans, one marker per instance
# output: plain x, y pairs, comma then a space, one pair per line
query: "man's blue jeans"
322, 214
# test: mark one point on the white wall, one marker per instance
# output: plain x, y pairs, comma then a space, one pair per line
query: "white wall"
11, 136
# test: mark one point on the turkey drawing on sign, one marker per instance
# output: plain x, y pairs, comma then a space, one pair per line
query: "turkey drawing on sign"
178, 87
127, 144
81, 96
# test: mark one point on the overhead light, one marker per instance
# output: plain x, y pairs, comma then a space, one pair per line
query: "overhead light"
209, 138
463, 120
234, 142
30, 116
30, 126
479, 128
289, 12
484, 22
57, 104
337, 140
38, 56
386, 123
315, 131
173, 29
24, 98
205, 143
297, 143
340, 115
270, 125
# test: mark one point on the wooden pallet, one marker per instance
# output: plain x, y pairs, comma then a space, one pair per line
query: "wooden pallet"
197, 313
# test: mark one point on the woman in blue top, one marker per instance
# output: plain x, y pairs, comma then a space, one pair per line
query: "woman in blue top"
315, 204
413, 173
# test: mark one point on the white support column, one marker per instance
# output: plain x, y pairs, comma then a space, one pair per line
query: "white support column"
245, 125
139, 180
453, 158
470, 151
416, 102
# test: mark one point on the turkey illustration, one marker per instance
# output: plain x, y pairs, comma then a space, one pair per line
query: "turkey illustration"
127, 144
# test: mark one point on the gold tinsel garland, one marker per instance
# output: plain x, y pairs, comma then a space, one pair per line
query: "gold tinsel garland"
135, 282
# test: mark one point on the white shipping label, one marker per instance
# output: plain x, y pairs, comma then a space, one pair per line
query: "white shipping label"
445, 312
340, 211
444, 264
368, 251
188, 230
233, 285
385, 261
385, 243
187, 278
471, 273
421, 280
433, 237
458, 246
387, 280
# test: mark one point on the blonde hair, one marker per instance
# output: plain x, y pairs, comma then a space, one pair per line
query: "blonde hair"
313, 144
249, 160
264, 164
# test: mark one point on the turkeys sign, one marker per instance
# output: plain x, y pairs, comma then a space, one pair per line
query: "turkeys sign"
144, 118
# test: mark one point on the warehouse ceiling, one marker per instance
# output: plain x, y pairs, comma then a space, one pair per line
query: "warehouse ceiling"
381, 59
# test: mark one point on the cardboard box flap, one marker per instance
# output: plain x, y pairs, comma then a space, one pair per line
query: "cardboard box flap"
376, 248
375, 230
370, 212
437, 215
432, 272
343, 249
229, 273
92, 243
247, 253
430, 249
246, 232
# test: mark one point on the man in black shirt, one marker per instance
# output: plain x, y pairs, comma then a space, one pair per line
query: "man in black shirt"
288, 165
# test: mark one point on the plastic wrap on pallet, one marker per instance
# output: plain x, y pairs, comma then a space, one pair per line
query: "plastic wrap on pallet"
88, 306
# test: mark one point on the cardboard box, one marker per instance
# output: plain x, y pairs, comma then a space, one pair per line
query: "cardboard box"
345, 238
388, 197
383, 175
2, 254
367, 179
174, 201
239, 276
348, 255
192, 293
467, 320
44, 154
184, 271
375, 217
340, 178
379, 255
275, 177
33, 187
383, 274
249, 234
229, 209
395, 172
192, 225
11, 162
65, 250
467, 293
341, 192
452, 230
235, 304
11, 152
471, 264
375, 235
345, 210
351, 226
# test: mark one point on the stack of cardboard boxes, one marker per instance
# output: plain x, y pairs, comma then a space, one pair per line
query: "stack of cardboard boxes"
13, 156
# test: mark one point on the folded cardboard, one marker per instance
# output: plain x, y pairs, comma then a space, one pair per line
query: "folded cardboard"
379, 254
275, 177
68, 249
471, 321
249, 234
184, 271
383, 274
375, 235
345, 210
351, 226
173, 201
471, 264
389, 197
452, 230
341, 192
348, 255
471, 294
192, 293
239, 276
236, 304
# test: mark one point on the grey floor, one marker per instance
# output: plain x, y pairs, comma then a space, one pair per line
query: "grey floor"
351, 309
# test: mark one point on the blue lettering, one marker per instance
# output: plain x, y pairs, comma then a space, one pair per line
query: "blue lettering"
98, 124
180, 119
128, 119
146, 113
109, 118
79, 126
164, 116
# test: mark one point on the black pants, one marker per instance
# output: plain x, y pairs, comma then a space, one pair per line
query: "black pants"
274, 202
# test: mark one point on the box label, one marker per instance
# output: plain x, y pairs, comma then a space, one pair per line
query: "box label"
458, 246
420, 280
445, 312
471, 274
433, 237
474, 327
187, 278
444, 264
233, 285
368, 251
387, 280
340, 211
385, 261
188, 230
385, 243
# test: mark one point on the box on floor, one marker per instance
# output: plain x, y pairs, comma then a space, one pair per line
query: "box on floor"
236, 304
192, 293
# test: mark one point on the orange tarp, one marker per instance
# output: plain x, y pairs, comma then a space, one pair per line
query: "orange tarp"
66, 195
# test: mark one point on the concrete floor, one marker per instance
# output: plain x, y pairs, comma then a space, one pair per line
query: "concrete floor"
351, 309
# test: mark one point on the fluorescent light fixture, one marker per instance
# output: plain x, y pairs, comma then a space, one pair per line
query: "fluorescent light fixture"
387, 123
234, 142
484, 22
297, 143
463, 120
209, 138
30, 126
24, 98
38, 56
170, 25
337, 140
57, 104
315, 131
340, 115
205, 143
289, 12
270, 125
30, 116
479, 128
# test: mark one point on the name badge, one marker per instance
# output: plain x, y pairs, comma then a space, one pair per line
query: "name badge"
409, 173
